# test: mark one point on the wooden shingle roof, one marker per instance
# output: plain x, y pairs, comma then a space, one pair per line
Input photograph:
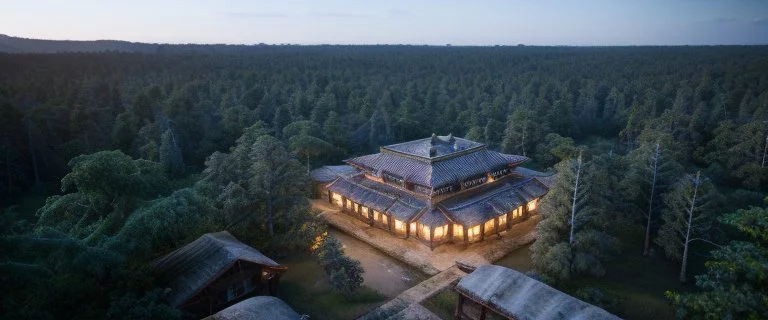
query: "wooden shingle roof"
257, 308
190, 268
407, 160
515, 295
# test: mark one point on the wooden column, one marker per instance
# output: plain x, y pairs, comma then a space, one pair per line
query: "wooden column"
343, 204
407, 229
431, 237
496, 226
509, 219
524, 213
330, 197
459, 305
483, 312
450, 232
370, 216
482, 231
466, 235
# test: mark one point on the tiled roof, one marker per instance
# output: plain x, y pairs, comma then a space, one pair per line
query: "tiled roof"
470, 208
517, 296
485, 203
327, 174
437, 173
361, 194
433, 217
257, 308
189, 268
439, 145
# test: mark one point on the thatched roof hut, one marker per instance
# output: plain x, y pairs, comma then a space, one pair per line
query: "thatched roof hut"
514, 295
257, 308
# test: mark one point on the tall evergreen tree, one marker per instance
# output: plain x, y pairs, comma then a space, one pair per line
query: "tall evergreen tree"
688, 216
571, 240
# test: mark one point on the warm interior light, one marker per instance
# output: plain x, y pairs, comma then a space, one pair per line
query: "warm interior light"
458, 230
532, 204
337, 199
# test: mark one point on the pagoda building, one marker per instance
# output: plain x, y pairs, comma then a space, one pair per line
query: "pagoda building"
439, 189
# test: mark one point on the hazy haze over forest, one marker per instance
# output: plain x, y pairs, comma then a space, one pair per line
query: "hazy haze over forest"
484, 22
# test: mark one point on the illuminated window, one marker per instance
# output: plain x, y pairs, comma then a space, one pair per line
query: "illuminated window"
337, 200
384, 219
532, 204
473, 232
375, 215
399, 225
425, 232
413, 226
364, 211
517, 213
458, 230
503, 221
440, 232
490, 226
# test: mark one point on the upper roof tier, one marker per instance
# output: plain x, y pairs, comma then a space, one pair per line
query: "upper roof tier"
434, 148
435, 162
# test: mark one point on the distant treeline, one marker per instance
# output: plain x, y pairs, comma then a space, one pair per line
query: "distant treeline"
55, 107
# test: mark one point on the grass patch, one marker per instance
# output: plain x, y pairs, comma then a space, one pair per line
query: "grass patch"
638, 281
443, 304
305, 288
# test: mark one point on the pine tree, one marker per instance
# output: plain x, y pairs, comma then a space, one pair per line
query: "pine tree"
170, 153
687, 216
572, 239
652, 172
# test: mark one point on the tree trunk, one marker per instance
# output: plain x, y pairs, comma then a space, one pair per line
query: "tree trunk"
8, 167
573, 205
765, 150
270, 226
522, 143
655, 169
32, 154
684, 265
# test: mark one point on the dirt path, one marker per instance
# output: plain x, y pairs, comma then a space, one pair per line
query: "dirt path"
439, 263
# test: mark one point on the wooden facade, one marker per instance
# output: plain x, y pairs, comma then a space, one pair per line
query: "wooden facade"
216, 271
241, 281
437, 190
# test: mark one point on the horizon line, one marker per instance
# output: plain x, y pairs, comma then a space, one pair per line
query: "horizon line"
396, 44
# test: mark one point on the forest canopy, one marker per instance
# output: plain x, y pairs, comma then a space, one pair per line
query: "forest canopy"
137, 146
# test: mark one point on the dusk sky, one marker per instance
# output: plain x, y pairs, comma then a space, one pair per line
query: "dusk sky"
487, 22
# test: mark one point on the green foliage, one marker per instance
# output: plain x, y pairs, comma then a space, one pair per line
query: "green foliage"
740, 149
573, 238
261, 191
105, 187
688, 216
346, 274
704, 105
597, 297
170, 154
149, 306
735, 285
167, 223
555, 148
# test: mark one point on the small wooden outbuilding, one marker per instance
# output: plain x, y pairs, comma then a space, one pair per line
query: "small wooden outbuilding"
257, 308
216, 271
509, 294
